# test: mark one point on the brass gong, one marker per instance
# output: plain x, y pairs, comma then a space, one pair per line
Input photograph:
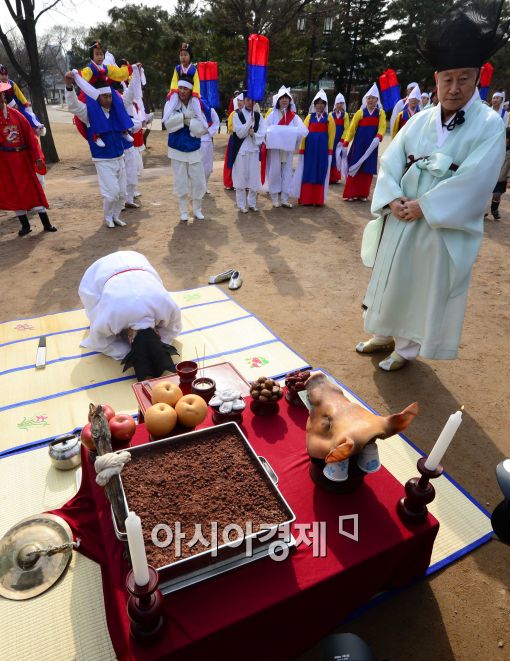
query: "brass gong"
33, 555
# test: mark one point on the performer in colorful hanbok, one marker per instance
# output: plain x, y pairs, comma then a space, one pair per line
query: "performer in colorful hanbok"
132, 316
366, 131
249, 133
190, 71
101, 71
185, 128
237, 104
103, 114
399, 106
207, 140
341, 119
15, 98
410, 109
430, 197
311, 177
20, 155
498, 105
285, 130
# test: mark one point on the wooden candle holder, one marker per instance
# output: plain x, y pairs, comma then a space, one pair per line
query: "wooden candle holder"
145, 608
419, 493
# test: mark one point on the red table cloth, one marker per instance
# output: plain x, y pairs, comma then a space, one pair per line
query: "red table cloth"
266, 609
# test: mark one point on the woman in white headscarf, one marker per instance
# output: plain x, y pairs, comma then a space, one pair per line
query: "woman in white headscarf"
341, 119
366, 131
285, 129
312, 172
410, 109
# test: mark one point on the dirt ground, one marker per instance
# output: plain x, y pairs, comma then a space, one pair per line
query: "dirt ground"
303, 277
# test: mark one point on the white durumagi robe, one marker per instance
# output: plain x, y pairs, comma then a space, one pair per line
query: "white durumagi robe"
246, 168
420, 279
120, 291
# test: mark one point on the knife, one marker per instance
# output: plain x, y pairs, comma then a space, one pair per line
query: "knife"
40, 359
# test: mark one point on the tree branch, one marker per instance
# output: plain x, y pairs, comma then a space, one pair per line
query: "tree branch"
11, 10
43, 11
12, 57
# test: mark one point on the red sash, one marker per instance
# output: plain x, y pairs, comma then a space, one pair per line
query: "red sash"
287, 118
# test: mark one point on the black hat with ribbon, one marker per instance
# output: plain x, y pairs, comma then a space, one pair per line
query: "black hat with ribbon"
466, 36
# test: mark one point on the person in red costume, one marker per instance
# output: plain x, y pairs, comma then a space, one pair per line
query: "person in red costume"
20, 156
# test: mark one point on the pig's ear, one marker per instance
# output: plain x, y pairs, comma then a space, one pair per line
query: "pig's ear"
344, 450
400, 421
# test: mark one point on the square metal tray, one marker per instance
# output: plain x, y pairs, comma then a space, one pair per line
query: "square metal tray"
203, 565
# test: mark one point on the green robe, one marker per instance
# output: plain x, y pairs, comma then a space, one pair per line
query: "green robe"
420, 279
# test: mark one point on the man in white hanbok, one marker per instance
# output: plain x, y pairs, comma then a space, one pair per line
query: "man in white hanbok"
285, 130
186, 125
249, 133
433, 185
130, 311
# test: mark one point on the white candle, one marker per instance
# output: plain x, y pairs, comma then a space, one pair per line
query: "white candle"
444, 440
137, 549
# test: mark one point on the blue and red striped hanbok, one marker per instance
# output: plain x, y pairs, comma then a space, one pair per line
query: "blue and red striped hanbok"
315, 160
335, 175
364, 128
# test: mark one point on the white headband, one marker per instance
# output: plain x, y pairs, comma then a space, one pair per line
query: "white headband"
185, 83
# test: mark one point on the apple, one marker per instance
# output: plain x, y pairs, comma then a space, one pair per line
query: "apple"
108, 411
122, 429
191, 410
86, 437
166, 392
160, 419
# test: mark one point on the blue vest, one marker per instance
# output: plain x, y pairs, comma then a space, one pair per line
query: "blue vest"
113, 141
182, 140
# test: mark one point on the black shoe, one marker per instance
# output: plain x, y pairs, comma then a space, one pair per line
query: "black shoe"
25, 225
495, 211
48, 227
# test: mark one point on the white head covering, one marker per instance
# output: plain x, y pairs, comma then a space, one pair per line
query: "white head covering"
321, 94
239, 97
282, 92
426, 94
499, 95
87, 88
339, 98
373, 91
415, 94
412, 85
185, 83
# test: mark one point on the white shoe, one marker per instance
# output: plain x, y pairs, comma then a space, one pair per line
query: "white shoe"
287, 205
198, 214
254, 209
393, 362
207, 191
119, 222
235, 280
132, 205
244, 210
109, 222
221, 277
184, 217
137, 194
99, 142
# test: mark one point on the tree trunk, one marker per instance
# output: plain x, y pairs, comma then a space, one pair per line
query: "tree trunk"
35, 84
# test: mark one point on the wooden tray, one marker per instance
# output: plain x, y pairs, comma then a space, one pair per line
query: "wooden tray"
224, 374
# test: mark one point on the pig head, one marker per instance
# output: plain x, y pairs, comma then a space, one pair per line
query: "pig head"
338, 428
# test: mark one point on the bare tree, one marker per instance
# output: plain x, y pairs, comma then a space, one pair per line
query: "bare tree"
25, 16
